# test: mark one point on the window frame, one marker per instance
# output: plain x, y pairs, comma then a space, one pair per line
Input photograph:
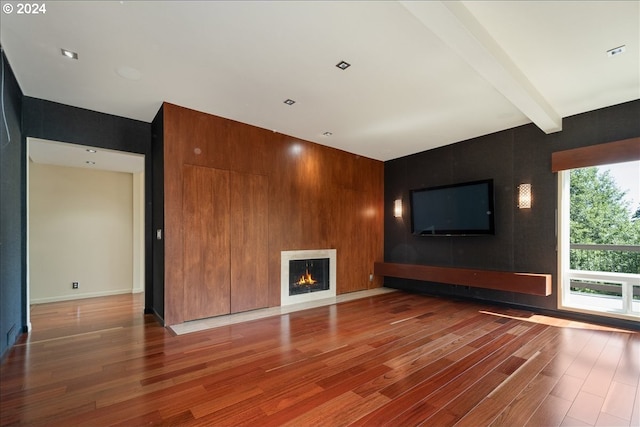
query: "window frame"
562, 162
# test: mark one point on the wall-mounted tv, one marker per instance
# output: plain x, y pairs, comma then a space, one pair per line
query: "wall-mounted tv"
462, 209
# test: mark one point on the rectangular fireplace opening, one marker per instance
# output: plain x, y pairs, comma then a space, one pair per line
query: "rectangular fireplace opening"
308, 275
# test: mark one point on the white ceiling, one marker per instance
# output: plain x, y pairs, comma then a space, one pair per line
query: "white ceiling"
422, 75
79, 156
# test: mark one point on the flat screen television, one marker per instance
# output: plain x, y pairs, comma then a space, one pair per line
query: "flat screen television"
463, 209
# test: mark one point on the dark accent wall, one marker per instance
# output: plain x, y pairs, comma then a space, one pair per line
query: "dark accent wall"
525, 239
63, 123
156, 299
12, 207
59, 122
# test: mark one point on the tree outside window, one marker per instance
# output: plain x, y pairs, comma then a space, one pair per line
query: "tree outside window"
601, 214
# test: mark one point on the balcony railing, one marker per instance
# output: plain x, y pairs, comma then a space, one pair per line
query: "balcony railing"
599, 247
615, 290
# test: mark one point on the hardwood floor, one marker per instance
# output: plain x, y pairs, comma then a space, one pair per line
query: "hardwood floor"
395, 359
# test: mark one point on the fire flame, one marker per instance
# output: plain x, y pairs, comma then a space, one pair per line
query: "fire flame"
306, 279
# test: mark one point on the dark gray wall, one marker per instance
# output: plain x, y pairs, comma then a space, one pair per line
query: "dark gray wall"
157, 154
525, 240
12, 208
59, 122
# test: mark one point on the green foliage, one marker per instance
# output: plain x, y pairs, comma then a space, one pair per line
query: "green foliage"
599, 214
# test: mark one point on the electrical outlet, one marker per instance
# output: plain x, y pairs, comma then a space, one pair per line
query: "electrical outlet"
371, 277
75, 285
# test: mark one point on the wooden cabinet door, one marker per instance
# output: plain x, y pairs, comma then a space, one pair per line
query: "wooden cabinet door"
249, 241
206, 242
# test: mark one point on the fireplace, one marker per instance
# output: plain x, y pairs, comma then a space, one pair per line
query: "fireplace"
307, 275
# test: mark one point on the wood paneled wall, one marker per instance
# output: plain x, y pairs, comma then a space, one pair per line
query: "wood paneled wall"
316, 198
206, 241
249, 232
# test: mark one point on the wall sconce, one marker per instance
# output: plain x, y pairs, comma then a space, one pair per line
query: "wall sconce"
397, 208
524, 196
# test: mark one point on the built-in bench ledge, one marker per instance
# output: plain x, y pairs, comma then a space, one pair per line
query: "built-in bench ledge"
524, 283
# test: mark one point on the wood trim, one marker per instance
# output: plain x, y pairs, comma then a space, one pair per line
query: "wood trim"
625, 150
524, 283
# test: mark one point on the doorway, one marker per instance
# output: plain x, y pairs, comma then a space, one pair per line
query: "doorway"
599, 240
85, 222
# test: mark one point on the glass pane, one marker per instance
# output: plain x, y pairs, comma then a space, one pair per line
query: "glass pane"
308, 275
605, 210
613, 261
596, 294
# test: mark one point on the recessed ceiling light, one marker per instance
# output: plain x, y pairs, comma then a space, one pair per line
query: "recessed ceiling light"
289, 102
343, 65
89, 162
327, 134
91, 150
69, 54
616, 51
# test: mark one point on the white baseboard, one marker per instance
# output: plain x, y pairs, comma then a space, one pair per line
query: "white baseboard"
83, 296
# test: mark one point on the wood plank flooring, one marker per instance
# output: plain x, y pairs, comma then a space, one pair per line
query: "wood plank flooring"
395, 359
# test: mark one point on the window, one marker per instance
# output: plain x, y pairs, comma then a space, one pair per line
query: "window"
599, 239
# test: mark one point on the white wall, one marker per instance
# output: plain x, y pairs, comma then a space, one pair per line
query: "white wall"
80, 230
138, 232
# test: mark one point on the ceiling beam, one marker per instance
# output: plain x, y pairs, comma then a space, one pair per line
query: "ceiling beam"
460, 31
